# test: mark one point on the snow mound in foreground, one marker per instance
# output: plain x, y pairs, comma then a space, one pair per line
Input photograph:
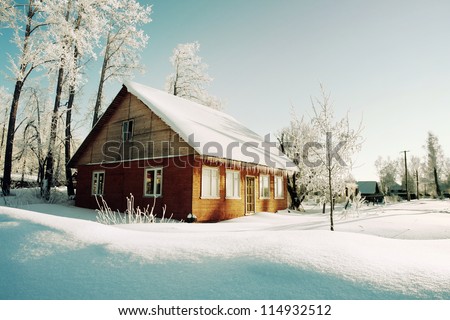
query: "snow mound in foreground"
407, 266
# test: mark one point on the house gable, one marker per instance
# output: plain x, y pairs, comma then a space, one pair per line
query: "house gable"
150, 137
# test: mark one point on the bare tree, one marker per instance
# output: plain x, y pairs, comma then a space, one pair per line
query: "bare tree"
190, 77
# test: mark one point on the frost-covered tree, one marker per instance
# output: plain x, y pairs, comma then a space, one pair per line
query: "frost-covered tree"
34, 130
322, 148
335, 145
388, 171
30, 38
446, 176
75, 29
190, 77
292, 141
28, 158
434, 161
6, 12
124, 41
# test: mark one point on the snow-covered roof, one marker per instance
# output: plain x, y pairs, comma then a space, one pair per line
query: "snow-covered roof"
368, 187
210, 132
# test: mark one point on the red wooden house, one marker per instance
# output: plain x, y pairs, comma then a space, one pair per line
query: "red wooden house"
191, 158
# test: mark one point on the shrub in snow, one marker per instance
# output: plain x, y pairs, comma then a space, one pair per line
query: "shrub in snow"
26, 196
354, 206
106, 215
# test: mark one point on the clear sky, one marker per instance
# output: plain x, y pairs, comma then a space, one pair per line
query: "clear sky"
385, 62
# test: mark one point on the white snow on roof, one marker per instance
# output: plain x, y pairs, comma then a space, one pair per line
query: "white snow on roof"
210, 132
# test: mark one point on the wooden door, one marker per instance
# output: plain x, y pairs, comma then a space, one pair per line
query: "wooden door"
250, 195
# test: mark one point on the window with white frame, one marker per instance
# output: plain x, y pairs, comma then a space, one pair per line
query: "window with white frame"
153, 182
264, 186
279, 187
98, 183
233, 184
210, 182
127, 130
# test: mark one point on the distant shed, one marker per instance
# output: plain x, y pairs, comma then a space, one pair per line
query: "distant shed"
371, 191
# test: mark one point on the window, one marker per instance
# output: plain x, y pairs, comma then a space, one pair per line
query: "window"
127, 130
98, 182
210, 182
233, 184
153, 182
279, 187
264, 187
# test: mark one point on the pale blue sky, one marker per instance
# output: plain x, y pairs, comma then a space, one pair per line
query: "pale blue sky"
387, 62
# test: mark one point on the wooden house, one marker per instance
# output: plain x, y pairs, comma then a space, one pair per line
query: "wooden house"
191, 158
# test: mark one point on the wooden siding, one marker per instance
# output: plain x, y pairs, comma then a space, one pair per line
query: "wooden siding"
128, 178
222, 208
152, 138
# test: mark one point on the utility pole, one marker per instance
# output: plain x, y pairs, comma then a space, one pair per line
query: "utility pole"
406, 176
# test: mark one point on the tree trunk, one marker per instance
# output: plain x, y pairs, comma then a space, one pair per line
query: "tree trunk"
296, 200
24, 163
436, 181
98, 102
330, 190
48, 180
417, 184
67, 140
3, 131
68, 132
7, 168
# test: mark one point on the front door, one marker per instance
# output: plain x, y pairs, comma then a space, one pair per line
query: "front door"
250, 195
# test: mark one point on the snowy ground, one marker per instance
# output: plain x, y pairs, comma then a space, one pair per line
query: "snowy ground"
398, 251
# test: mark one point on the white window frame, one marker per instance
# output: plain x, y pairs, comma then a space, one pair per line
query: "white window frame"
154, 193
127, 135
95, 177
278, 187
233, 184
208, 174
263, 178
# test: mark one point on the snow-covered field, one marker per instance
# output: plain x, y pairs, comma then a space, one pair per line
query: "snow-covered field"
397, 251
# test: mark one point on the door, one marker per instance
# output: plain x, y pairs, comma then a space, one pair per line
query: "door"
250, 195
